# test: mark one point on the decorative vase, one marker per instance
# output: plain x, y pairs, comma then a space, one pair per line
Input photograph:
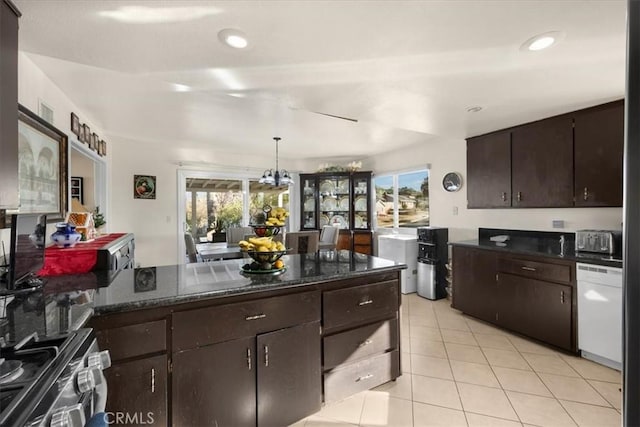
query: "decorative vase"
66, 235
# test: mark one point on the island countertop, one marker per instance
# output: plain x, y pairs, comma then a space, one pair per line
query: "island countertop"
67, 302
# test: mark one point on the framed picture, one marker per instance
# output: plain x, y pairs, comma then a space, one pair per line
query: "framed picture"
94, 142
145, 280
75, 124
86, 134
42, 167
144, 187
76, 188
103, 148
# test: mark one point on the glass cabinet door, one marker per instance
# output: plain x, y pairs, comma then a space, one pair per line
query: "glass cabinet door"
361, 197
309, 211
334, 200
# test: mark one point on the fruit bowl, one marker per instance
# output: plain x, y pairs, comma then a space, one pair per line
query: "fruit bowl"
262, 257
263, 230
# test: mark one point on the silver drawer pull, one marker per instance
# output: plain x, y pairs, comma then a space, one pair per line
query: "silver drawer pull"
528, 268
257, 316
153, 380
366, 377
367, 302
365, 343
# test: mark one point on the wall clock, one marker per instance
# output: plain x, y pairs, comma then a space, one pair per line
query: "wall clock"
452, 181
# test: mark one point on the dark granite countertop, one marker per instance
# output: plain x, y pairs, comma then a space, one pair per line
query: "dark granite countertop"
67, 302
545, 244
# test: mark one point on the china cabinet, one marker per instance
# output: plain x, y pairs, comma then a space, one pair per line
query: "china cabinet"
341, 199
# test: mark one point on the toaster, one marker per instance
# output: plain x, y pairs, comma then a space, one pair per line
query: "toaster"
600, 241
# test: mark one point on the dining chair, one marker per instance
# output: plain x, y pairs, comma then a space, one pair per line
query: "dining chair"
302, 242
329, 237
235, 234
192, 252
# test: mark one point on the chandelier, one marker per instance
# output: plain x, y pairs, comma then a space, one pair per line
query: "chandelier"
277, 177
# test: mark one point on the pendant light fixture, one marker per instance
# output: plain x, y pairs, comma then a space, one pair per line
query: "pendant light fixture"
277, 177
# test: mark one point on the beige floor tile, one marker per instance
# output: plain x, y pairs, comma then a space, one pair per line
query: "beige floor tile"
589, 415
405, 362
405, 341
494, 341
593, 371
486, 401
383, 410
300, 423
435, 392
347, 410
455, 323
574, 389
458, 337
549, 364
400, 388
429, 415
465, 353
473, 373
505, 358
431, 366
610, 391
479, 327
527, 346
423, 320
428, 348
432, 334
317, 421
477, 420
538, 410
522, 381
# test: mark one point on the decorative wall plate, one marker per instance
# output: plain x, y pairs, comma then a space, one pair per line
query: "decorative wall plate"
452, 182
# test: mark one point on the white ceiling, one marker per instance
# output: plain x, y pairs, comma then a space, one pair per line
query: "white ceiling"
406, 70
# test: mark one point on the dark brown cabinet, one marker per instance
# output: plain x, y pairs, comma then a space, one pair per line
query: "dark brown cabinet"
542, 163
138, 389
489, 171
530, 295
9, 15
474, 282
598, 154
574, 159
536, 308
342, 199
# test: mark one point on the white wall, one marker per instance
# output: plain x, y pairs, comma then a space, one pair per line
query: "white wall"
33, 86
449, 155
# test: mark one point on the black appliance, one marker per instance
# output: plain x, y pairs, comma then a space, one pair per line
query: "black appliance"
26, 256
433, 254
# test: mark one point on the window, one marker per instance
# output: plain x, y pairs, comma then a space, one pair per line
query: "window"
263, 194
402, 199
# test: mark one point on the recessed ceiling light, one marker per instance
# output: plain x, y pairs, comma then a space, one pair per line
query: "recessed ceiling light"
474, 109
542, 41
233, 38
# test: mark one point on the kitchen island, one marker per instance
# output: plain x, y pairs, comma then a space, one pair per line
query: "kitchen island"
207, 344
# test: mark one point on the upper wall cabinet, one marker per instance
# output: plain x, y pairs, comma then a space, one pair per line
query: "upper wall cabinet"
569, 160
489, 171
542, 164
8, 105
598, 150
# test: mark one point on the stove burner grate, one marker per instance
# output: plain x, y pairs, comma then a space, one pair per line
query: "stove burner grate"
10, 370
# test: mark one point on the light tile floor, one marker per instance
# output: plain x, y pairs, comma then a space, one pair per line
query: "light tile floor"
458, 371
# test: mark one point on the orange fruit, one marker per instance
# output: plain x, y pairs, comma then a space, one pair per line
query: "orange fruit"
278, 264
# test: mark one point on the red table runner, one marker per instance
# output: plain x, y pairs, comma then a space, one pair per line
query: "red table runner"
79, 259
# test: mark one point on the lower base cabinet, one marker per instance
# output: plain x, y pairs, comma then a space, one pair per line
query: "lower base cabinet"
137, 392
535, 308
272, 379
529, 295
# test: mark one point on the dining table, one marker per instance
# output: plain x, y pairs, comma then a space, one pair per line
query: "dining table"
218, 251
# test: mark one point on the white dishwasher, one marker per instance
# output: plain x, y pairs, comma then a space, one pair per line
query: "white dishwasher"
600, 313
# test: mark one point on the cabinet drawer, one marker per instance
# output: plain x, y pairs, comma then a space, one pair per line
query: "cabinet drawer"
536, 270
353, 305
360, 343
359, 376
134, 340
210, 325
